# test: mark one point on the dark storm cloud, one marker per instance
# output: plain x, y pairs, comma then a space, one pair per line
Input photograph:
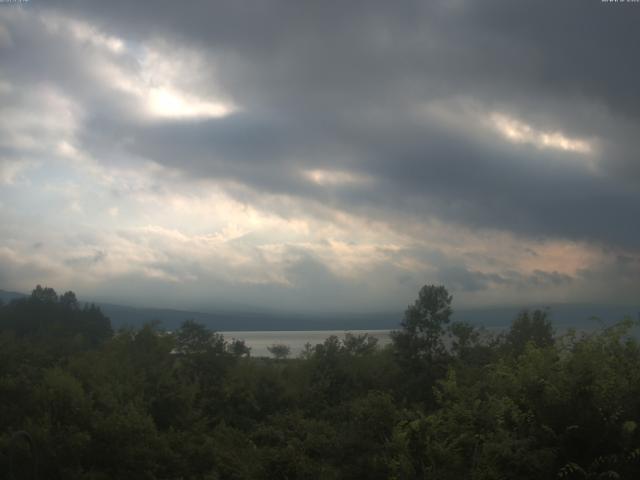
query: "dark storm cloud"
460, 278
302, 54
419, 170
83, 261
335, 86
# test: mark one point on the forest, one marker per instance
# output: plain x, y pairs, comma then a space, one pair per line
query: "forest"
445, 400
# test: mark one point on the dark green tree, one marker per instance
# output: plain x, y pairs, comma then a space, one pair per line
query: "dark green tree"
419, 346
280, 351
423, 326
43, 295
533, 327
238, 348
69, 300
359, 344
194, 338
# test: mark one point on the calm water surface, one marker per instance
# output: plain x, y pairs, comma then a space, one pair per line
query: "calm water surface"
296, 340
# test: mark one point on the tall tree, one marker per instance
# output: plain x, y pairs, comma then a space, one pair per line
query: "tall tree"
423, 326
419, 346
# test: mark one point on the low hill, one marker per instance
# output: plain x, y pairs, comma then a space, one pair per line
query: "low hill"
563, 316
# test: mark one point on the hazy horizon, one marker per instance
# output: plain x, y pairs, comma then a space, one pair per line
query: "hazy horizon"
320, 157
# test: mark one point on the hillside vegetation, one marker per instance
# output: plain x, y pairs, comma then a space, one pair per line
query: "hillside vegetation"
444, 401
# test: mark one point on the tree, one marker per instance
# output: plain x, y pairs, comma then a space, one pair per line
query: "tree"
279, 350
195, 338
423, 325
533, 327
58, 320
43, 295
238, 348
359, 344
69, 300
419, 346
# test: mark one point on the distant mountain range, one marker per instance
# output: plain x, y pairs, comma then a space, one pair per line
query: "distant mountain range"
581, 316
6, 296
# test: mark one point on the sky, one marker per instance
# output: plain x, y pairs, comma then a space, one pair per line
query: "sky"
328, 156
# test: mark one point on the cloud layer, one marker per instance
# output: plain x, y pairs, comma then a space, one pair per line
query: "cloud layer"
330, 155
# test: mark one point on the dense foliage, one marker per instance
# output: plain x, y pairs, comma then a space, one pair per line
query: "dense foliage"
444, 400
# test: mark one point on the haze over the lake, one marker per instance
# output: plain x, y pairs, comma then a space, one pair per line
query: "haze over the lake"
321, 156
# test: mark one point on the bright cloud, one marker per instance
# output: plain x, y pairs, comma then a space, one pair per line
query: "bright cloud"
165, 102
83, 32
517, 131
160, 78
334, 177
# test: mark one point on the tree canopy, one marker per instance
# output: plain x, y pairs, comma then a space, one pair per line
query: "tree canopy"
444, 400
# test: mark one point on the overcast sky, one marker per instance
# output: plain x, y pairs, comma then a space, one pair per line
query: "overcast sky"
321, 155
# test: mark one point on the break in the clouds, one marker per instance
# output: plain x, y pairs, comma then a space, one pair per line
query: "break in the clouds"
321, 155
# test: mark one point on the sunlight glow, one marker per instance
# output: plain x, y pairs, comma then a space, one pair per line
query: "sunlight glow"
166, 83
520, 132
166, 102
333, 177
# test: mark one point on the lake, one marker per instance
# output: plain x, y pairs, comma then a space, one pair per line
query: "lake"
296, 340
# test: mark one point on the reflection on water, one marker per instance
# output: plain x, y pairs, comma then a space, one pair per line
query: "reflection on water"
296, 340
